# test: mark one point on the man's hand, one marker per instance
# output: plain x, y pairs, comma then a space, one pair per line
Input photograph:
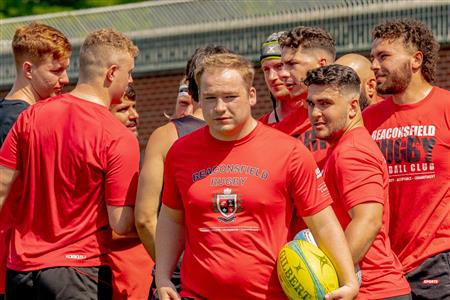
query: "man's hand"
168, 291
345, 292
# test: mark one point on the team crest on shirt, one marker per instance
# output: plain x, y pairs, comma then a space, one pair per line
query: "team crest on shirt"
227, 204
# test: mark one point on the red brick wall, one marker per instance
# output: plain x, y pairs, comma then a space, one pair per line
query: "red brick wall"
443, 69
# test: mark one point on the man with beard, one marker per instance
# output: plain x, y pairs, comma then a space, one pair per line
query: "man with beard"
356, 176
271, 64
42, 56
127, 251
362, 67
412, 129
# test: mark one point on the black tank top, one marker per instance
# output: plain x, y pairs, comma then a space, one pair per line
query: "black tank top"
187, 124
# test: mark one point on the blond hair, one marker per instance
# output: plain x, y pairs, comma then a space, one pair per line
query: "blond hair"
227, 61
33, 41
101, 48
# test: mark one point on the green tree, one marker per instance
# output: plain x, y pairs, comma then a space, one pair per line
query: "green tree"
16, 8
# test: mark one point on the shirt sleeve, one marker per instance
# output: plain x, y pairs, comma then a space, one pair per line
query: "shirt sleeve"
122, 171
307, 186
359, 178
10, 150
171, 196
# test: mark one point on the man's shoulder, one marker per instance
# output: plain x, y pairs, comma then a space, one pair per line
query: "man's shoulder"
10, 109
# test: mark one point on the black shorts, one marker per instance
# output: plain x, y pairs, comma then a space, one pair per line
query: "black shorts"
60, 283
431, 280
176, 280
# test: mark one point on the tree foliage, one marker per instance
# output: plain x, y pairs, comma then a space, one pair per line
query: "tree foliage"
16, 8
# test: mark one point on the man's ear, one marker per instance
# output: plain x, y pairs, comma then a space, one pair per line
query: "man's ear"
370, 87
354, 107
323, 61
417, 60
111, 72
27, 68
252, 96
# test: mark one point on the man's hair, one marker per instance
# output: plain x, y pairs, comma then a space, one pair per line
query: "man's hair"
309, 38
36, 40
130, 93
227, 61
415, 34
100, 49
195, 61
340, 77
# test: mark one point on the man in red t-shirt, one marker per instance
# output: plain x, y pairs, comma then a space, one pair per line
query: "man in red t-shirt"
131, 265
42, 56
78, 166
412, 129
271, 65
356, 175
303, 49
229, 207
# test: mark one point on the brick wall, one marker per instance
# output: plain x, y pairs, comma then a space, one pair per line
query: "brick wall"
157, 93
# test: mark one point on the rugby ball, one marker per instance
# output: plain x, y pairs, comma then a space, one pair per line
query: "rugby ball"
306, 235
305, 272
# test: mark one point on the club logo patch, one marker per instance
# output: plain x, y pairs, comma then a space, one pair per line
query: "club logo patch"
227, 204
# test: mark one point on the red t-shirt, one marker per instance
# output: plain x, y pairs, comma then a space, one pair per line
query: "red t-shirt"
415, 140
298, 125
238, 198
265, 119
131, 267
356, 173
73, 157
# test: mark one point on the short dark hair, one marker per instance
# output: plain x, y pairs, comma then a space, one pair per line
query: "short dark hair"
195, 61
338, 76
416, 34
130, 93
309, 38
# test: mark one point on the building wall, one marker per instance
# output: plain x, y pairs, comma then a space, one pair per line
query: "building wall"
156, 94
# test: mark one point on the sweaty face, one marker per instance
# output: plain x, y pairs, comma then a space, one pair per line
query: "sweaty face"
122, 77
49, 76
328, 111
184, 106
391, 63
126, 113
226, 102
296, 63
272, 69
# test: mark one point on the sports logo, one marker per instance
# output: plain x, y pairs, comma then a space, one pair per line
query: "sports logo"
227, 204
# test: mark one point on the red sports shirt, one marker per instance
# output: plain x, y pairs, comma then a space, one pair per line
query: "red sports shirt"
298, 125
356, 173
415, 140
238, 198
74, 157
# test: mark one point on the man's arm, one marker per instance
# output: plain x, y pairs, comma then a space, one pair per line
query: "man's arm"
170, 241
331, 239
151, 184
364, 227
7, 177
121, 219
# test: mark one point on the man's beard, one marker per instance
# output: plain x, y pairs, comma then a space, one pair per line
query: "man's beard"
396, 81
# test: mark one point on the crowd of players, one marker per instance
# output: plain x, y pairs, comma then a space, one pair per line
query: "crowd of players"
356, 150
